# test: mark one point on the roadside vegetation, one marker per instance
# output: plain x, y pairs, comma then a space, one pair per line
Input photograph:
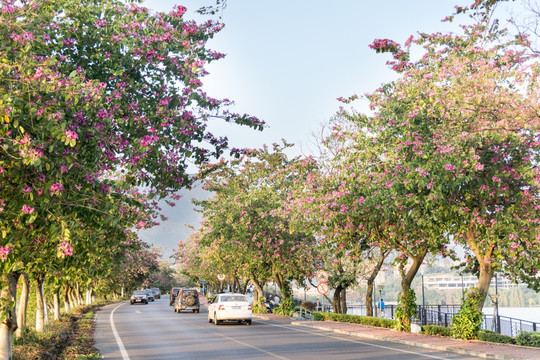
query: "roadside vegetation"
70, 337
102, 112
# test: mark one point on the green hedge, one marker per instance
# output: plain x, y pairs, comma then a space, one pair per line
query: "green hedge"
491, 336
526, 338
355, 319
436, 330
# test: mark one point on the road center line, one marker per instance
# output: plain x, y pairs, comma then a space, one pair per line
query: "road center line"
117, 337
252, 346
354, 341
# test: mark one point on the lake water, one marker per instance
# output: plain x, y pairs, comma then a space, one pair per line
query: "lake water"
521, 313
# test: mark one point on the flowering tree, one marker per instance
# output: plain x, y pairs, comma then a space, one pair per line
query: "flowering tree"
460, 128
244, 223
95, 98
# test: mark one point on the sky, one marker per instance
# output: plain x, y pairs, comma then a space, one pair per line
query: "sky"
287, 61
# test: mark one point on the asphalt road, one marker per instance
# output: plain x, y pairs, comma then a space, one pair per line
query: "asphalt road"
155, 331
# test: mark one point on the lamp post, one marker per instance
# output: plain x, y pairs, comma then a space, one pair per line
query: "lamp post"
381, 287
462, 290
495, 326
423, 297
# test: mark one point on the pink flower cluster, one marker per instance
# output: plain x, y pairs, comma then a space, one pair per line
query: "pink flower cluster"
27, 209
71, 134
65, 249
56, 188
4, 252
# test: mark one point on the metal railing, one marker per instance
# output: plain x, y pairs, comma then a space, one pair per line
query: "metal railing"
304, 314
441, 315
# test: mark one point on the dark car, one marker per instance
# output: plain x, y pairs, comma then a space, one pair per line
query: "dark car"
174, 292
150, 294
187, 299
157, 293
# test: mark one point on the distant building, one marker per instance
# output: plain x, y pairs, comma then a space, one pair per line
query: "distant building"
450, 282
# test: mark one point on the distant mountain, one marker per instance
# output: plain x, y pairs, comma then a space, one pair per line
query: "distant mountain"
173, 230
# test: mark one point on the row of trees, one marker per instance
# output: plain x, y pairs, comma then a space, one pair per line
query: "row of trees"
101, 111
449, 157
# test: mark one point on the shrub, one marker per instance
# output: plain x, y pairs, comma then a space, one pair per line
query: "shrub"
286, 307
491, 336
436, 330
405, 311
526, 338
467, 321
355, 319
308, 305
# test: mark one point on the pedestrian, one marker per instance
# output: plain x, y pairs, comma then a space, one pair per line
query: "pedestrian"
380, 307
317, 305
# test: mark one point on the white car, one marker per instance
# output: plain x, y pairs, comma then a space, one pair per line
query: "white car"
230, 307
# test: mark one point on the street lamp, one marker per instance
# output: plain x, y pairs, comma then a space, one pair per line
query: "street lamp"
495, 325
381, 286
423, 297
462, 290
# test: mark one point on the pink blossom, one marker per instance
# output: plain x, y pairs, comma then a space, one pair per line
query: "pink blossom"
65, 249
26, 189
449, 167
4, 252
422, 171
100, 23
27, 209
479, 167
71, 134
56, 188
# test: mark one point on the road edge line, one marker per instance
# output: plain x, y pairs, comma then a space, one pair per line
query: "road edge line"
123, 351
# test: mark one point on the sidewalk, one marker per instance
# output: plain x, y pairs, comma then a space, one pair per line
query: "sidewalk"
474, 348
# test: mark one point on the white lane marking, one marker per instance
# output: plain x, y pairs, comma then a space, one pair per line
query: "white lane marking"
354, 341
117, 337
253, 347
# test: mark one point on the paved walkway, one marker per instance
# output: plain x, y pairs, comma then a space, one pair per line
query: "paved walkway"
480, 349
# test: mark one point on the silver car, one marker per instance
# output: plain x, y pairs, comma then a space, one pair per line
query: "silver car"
139, 296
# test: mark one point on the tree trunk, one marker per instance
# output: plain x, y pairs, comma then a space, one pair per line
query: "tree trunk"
67, 307
336, 303
486, 270
8, 325
23, 305
72, 299
56, 302
78, 295
484, 280
406, 280
369, 297
40, 305
258, 294
284, 286
344, 301
371, 280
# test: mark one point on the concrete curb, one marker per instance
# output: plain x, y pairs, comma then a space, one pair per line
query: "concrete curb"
407, 342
